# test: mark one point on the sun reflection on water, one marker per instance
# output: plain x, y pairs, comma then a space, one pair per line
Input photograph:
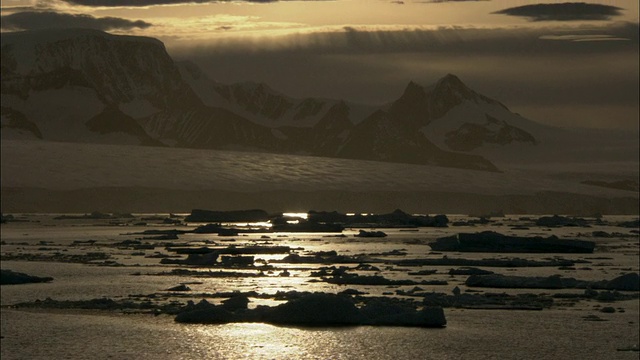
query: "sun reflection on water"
251, 225
296, 215
253, 340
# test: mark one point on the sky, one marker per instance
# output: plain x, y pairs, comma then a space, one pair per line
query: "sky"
564, 64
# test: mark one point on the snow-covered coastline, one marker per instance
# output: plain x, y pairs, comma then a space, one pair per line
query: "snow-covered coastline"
60, 167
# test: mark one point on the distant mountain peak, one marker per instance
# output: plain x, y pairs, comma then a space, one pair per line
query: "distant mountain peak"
451, 80
452, 85
413, 90
258, 88
452, 91
132, 91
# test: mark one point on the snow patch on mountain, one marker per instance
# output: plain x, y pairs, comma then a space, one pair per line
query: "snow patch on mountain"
471, 136
138, 108
471, 112
60, 114
88, 86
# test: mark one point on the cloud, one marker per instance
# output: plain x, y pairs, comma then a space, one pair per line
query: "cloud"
563, 12
449, 40
145, 3
34, 20
445, 1
203, 30
517, 66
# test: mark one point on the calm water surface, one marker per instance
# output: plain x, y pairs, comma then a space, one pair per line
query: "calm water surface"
559, 332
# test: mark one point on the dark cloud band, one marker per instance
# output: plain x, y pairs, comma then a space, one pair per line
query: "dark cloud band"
521, 67
464, 41
563, 12
33, 20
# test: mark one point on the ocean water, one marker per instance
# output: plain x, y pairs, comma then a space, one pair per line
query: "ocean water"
558, 332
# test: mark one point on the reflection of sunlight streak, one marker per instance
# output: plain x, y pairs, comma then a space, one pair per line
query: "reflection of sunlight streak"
295, 215
254, 340
251, 225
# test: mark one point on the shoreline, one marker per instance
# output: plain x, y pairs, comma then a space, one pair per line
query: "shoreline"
159, 200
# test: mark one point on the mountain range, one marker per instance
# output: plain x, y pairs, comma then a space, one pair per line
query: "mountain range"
93, 87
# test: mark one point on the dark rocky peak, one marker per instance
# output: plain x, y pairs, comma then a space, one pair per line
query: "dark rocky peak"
450, 91
259, 98
337, 117
412, 93
308, 107
251, 91
418, 106
452, 81
452, 88
340, 108
412, 108
257, 89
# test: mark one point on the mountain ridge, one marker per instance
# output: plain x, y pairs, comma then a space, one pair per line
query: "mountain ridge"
135, 92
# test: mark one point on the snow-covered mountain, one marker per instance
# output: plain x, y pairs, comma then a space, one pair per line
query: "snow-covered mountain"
264, 105
88, 86
457, 118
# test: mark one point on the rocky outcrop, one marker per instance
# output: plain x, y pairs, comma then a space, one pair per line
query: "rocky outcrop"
366, 234
469, 271
10, 277
488, 301
181, 287
230, 256
329, 257
397, 218
489, 241
198, 215
208, 259
377, 280
557, 221
318, 309
515, 262
627, 282
13, 119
